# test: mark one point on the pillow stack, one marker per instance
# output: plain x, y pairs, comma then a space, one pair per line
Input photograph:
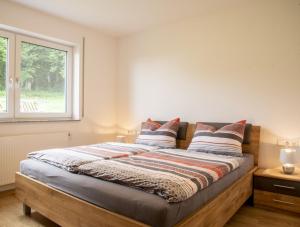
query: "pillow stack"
155, 134
226, 140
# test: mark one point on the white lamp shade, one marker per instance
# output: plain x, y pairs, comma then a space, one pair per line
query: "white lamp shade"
288, 156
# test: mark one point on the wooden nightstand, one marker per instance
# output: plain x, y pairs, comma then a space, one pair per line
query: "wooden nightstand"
273, 189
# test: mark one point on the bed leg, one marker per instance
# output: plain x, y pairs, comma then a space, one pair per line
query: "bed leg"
26, 210
250, 200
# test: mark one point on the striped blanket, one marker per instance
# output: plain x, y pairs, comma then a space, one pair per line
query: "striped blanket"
171, 173
71, 158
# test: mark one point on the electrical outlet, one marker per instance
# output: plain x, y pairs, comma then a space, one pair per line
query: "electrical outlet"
282, 142
288, 142
294, 142
130, 132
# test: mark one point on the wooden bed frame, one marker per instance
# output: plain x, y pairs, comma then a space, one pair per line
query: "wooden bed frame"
67, 210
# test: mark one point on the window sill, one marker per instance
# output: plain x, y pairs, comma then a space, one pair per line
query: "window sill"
38, 120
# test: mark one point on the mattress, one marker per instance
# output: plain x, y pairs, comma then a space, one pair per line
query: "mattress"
141, 206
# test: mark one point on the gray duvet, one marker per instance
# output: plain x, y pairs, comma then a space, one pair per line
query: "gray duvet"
72, 157
144, 207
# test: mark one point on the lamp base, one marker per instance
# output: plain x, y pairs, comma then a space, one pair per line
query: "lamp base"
288, 169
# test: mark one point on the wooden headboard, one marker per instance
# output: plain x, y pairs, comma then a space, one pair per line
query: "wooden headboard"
251, 148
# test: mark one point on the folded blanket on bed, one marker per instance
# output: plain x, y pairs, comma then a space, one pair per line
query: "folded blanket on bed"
175, 175
71, 158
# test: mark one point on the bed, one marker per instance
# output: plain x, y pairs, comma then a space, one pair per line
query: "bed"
77, 200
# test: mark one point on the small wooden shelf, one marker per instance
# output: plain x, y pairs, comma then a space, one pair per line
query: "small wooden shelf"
278, 174
275, 190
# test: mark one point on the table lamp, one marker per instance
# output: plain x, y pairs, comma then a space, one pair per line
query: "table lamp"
288, 159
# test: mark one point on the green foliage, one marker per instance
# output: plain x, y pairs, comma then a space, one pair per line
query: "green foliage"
42, 68
3, 54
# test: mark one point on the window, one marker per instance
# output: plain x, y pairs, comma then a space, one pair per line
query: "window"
3, 73
44, 78
36, 78
6, 69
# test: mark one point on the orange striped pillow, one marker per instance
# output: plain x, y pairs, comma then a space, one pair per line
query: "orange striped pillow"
155, 134
226, 140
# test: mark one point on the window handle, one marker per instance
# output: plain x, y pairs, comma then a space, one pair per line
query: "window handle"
17, 82
284, 202
10, 82
283, 186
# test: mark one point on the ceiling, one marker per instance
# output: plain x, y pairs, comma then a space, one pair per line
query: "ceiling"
122, 17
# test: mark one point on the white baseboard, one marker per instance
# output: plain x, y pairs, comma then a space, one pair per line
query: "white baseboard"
7, 187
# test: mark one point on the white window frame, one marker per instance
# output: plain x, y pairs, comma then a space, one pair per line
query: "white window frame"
69, 78
74, 80
9, 74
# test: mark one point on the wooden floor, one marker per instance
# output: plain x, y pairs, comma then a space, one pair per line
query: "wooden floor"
11, 216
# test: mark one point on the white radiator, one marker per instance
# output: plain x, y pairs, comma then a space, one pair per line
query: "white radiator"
13, 149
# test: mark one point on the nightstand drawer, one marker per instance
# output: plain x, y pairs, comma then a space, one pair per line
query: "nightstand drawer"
286, 187
279, 201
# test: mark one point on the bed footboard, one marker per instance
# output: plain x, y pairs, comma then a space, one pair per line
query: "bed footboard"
67, 210
219, 210
64, 209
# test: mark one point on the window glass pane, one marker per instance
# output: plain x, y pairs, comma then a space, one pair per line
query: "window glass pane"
43, 79
3, 73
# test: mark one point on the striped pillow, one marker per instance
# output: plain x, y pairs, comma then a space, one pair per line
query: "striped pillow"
226, 140
155, 134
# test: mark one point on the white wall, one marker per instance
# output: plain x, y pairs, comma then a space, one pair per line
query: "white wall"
100, 74
238, 61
